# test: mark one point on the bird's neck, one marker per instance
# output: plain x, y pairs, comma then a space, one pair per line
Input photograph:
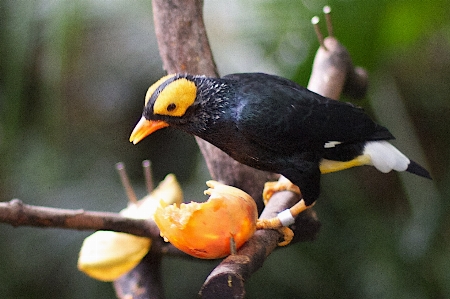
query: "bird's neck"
213, 104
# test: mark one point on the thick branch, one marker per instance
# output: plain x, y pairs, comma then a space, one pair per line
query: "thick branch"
144, 281
333, 72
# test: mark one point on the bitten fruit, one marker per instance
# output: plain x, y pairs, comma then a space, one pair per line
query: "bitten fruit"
204, 230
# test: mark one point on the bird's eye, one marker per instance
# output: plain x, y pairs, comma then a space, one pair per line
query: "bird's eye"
174, 98
171, 107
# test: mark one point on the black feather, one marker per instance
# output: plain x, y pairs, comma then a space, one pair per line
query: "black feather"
415, 168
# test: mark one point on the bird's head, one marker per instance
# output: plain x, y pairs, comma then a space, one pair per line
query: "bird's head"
169, 101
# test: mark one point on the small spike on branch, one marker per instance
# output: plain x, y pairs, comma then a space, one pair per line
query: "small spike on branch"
126, 182
147, 166
327, 12
315, 21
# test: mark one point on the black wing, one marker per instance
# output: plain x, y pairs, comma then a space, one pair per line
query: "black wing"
277, 113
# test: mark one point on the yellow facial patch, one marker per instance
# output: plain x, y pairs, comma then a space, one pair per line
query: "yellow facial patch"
152, 88
327, 166
175, 98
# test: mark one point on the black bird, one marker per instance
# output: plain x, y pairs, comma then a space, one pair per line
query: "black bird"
273, 124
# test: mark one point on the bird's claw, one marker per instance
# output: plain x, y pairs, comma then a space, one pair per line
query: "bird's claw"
288, 235
282, 185
274, 223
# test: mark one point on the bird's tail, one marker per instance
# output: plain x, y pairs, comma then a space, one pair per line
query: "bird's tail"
417, 169
386, 157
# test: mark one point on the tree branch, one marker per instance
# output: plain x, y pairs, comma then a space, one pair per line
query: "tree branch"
333, 72
144, 281
184, 47
16, 213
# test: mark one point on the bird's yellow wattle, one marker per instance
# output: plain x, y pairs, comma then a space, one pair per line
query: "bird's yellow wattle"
175, 98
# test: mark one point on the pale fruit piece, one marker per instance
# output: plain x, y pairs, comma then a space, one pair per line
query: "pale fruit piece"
107, 255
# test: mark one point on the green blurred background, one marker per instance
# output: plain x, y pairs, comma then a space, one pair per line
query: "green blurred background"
73, 75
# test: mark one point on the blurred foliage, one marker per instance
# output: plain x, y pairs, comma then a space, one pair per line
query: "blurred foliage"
72, 79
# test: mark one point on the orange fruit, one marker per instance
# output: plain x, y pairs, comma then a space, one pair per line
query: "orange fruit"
204, 230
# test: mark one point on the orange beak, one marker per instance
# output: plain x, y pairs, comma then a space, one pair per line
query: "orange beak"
145, 127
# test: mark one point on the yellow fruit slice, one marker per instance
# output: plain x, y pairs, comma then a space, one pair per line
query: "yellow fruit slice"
107, 255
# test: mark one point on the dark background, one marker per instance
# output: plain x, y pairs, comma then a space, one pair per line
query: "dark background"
73, 75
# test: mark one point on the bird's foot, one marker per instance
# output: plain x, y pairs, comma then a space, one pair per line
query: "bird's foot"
285, 218
275, 223
270, 188
288, 235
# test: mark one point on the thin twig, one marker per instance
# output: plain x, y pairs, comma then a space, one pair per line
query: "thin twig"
327, 12
315, 22
16, 213
147, 166
126, 182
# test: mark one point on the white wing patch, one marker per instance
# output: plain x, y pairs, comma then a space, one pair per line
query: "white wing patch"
386, 157
330, 144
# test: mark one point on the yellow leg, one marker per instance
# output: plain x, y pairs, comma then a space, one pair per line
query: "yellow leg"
299, 207
276, 223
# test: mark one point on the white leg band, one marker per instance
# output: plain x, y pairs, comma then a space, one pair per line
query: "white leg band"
286, 218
